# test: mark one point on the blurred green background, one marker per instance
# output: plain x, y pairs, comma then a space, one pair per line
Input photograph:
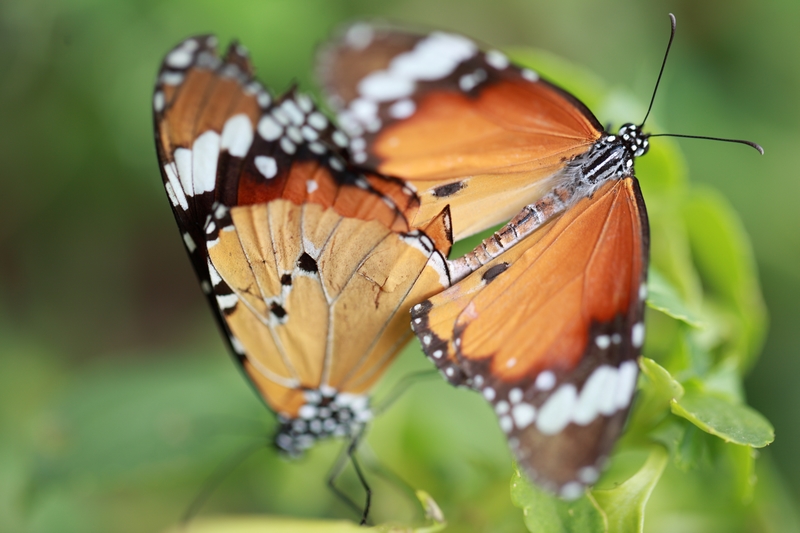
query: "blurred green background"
117, 398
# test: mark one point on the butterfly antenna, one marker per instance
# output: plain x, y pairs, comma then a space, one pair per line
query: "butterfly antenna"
738, 141
673, 24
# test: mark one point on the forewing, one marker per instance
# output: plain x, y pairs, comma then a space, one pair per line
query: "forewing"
549, 333
222, 139
466, 128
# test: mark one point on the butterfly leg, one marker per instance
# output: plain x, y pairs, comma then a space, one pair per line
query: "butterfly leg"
349, 453
531, 218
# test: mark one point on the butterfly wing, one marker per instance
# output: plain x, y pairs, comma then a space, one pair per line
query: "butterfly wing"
284, 234
466, 128
549, 332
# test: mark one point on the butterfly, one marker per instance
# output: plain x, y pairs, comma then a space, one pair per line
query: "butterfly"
546, 319
309, 264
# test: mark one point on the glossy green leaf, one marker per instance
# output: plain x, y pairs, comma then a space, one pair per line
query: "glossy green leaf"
546, 513
624, 504
657, 389
661, 295
731, 422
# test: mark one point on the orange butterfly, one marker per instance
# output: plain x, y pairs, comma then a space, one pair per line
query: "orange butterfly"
547, 320
309, 264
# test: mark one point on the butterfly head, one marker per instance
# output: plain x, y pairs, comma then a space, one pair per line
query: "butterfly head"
634, 139
325, 414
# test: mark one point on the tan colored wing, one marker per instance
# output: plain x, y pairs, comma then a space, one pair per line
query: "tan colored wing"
314, 299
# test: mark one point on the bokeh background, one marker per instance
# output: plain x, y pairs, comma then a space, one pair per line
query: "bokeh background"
117, 399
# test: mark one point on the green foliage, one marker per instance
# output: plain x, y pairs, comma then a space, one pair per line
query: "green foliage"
106, 427
543, 512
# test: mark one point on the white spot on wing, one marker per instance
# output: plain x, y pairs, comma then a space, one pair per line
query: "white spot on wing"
501, 407
158, 101
434, 57
317, 120
626, 383
530, 75
572, 490
524, 414
497, 59
266, 165
359, 36
556, 412
309, 133
176, 190
593, 393
181, 56
171, 78
190, 245
205, 152
227, 301
402, 109
383, 86
293, 112
588, 474
269, 129
637, 335
340, 138
183, 162
287, 145
603, 341
311, 186
546, 380
237, 135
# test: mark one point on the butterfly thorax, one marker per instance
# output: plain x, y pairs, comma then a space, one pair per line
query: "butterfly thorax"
611, 157
325, 414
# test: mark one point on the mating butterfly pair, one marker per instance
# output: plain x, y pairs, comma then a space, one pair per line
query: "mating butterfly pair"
313, 244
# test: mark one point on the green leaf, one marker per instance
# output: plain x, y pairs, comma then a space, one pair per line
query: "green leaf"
724, 259
546, 513
624, 504
734, 423
658, 388
661, 295
237, 524
743, 461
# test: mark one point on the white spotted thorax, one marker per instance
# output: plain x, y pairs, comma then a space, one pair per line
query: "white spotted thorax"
610, 158
326, 413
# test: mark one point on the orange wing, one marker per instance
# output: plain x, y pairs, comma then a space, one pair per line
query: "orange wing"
466, 128
310, 264
222, 138
549, 332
